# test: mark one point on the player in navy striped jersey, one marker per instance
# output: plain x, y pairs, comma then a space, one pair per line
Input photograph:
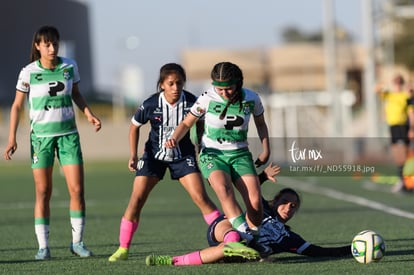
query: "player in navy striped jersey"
51, 83
278, 236
164, 111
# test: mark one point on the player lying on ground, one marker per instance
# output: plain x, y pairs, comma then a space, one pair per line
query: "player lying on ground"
229, 244
275, 235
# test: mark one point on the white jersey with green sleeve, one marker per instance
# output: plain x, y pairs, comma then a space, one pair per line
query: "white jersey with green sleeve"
50, 97
230, 132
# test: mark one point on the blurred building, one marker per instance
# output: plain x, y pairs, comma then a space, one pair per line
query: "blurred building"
292, 81
199, 62
19, 19
289, 68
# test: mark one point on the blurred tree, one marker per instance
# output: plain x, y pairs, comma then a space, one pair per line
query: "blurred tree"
293, 34
403, 2
404, 44
404, 39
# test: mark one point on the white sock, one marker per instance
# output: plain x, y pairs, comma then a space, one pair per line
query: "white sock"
239, 223
78, 224
42, 235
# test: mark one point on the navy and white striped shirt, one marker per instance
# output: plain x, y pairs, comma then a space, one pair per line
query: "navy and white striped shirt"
164, 118
277, 236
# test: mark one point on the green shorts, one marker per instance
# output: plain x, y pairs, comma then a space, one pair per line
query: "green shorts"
67, 149
234, 162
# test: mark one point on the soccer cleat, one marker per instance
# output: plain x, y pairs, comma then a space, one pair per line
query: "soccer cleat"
120, 255
43, 254
158, 260
240, 250
80, 250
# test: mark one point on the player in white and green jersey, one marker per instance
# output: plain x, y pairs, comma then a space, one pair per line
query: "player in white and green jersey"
50, 96
225, 158
50, 83
229, 133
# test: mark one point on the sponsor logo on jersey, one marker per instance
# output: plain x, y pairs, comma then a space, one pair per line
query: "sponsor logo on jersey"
38, 77
200, 110
66, 74
246, 108
158, 110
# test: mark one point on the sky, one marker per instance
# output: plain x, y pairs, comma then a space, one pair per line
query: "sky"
148, 34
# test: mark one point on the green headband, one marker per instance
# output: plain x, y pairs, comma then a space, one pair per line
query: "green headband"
225, 83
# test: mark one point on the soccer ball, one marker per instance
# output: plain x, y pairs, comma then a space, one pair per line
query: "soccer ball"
368, 246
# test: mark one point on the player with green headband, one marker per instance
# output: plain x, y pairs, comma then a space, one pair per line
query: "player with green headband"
226, 108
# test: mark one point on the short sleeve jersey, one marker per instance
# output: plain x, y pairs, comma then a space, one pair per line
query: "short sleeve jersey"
50, 97
397, 105
231, 132
164, 118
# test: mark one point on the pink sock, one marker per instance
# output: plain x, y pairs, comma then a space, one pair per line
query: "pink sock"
231, 236
209, 218
188, 259
126, 232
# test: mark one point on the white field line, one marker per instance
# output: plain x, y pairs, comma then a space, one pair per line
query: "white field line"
311, 188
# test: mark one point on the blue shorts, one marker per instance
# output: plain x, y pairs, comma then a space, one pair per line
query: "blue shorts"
210, 231
156, 168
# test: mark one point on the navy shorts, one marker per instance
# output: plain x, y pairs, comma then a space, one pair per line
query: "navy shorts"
210, 231
156, 168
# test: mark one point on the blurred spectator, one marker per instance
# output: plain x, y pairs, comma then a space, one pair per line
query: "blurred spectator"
399, 115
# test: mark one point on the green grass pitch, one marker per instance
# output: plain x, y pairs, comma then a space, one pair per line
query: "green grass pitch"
334, 209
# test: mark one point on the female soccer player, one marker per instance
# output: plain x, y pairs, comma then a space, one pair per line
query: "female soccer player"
51, 83
399, 114
164, 110
275, 234
225, 158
